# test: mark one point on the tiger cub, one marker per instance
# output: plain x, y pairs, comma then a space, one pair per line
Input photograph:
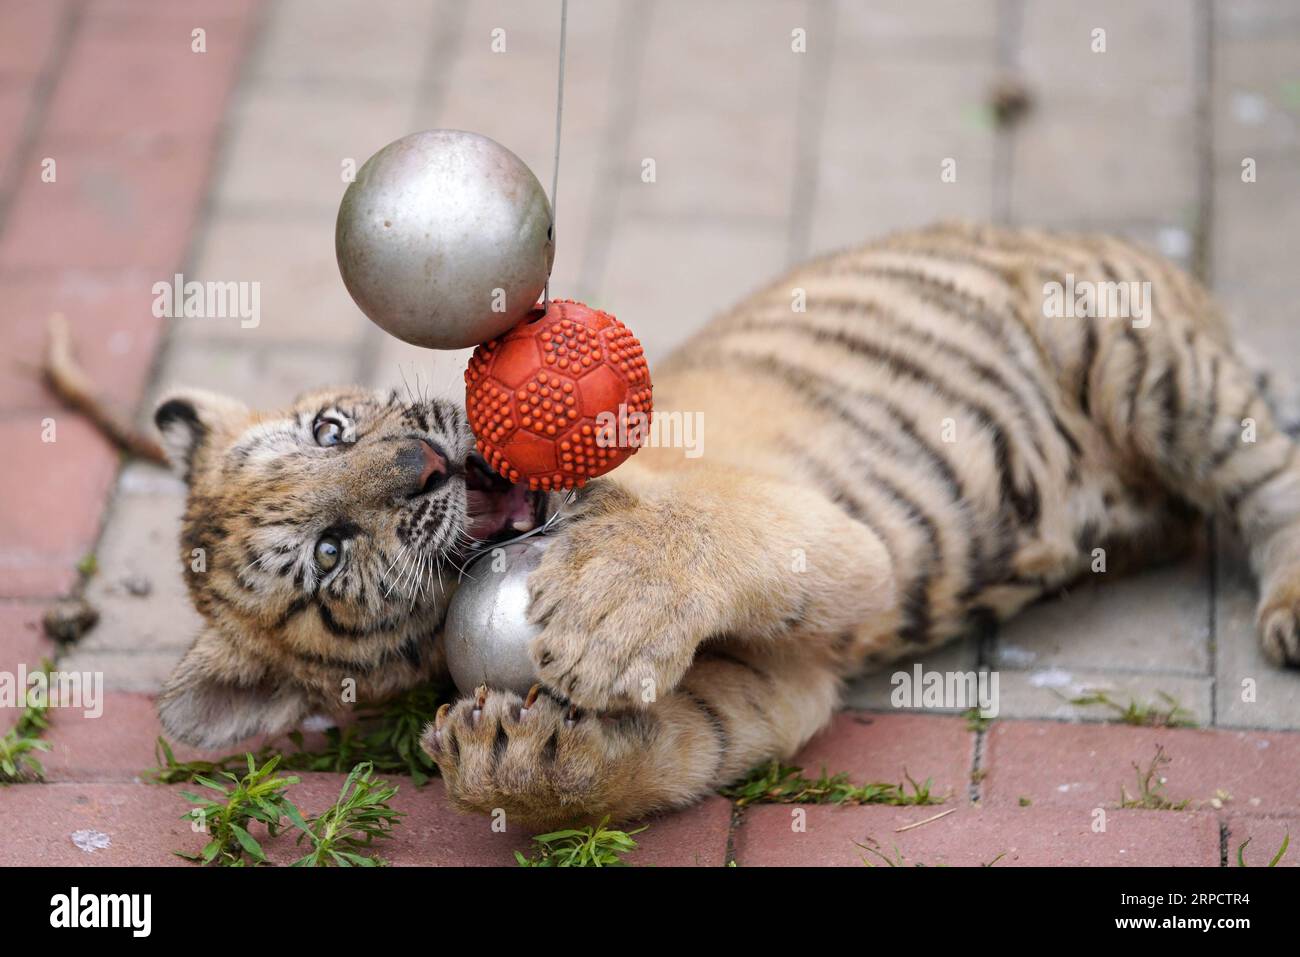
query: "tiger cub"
903, 440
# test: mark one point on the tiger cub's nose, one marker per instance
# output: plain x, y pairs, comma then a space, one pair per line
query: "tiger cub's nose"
424, 466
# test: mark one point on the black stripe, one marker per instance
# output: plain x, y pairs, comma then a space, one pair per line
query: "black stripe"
982, 568
434, 407
1171, 277
1234, 444
409, 651
859, 345
836, 494
340, 630
915, 603
1139, 372
944, 295
1165, 389
941, 292
1238, 496
1130, 334
726, 657
1212, 412
1026, 503
296, 606
720, 733
815, 394
1085, 366
499, 745
1193, 370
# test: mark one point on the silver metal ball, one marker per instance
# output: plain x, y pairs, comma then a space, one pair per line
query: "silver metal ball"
445, 239
487, 632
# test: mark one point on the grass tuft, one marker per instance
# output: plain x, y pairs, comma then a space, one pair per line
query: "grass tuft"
1171, 715
387, 736
777, 783
1151, 787
21, 743
1277, 858
360, 815
227, 815
593, 846
260, 796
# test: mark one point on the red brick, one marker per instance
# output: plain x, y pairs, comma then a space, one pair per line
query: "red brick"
197, 13
31, 28
22, 639
53, 494
22, 642
39, 576
431, 835
144, 826
118, 745
971, 836
141, 76
15, 102
881, 747
1085, 765
141, 820
1266, 835
128, 204
114, 333
694, 837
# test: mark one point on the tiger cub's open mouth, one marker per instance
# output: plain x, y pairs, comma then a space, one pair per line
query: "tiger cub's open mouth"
497, 507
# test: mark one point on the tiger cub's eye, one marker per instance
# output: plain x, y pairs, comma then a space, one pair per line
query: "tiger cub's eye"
328, 552
328, 432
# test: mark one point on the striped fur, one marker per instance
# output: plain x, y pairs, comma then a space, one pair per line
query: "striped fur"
919, 450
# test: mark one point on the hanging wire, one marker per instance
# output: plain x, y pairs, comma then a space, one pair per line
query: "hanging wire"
558, 515
559, 119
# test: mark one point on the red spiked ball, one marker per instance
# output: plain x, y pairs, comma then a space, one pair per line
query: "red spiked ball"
560, 398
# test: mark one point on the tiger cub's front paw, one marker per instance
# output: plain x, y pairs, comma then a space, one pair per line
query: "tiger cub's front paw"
623, 603
1279, 626
539, 762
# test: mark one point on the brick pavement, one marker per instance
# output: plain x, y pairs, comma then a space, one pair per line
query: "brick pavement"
226, 165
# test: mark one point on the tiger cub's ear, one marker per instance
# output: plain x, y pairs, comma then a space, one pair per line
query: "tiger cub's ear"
187, 419
212, 699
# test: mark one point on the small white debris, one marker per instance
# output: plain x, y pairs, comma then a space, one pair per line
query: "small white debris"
317, 723
1174, 243
1051, 678
91, 841
140, 478
1250, 109
137, 585
1016, 657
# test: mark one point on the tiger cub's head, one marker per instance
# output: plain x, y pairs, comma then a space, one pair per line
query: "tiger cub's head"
320, 545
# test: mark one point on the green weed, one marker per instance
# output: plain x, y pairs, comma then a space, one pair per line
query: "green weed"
595, 846
777, 783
